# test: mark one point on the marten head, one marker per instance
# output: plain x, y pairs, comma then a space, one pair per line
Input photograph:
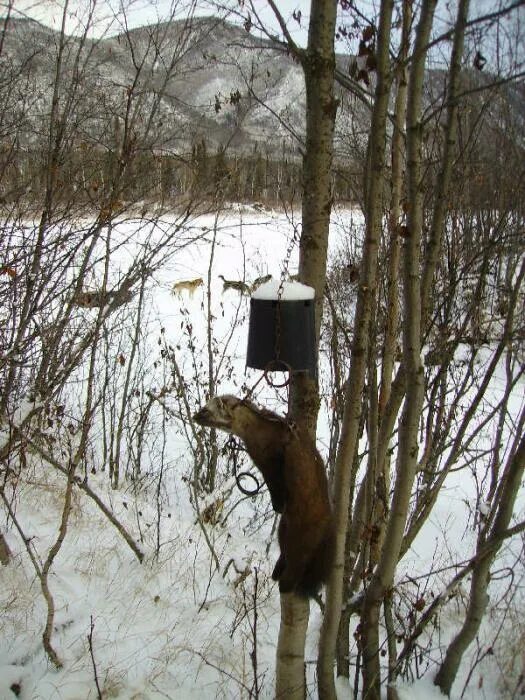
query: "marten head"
222, 412
234, 415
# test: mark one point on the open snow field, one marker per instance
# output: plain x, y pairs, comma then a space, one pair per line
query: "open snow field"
176, 626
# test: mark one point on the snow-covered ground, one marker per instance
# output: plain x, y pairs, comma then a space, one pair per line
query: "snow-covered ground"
177, 625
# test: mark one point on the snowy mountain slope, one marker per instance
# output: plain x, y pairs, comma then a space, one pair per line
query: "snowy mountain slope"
212, 75
212, 78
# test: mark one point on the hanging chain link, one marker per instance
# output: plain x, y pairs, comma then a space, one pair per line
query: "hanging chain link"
234, 447
291, 245
277, 349
277, 346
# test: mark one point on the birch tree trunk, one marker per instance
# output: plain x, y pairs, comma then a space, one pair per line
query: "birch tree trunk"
359, 357
290, 682
415, 297
392, 285
318, 62
395, 214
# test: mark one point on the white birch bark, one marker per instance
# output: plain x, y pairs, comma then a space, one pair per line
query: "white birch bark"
318, 62
352, 411
289, 672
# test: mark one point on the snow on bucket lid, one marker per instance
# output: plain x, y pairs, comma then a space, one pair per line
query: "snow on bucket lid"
292, 291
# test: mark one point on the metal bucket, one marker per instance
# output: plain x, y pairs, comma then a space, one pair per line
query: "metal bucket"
281, 336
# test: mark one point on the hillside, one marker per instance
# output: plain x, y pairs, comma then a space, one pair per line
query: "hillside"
213, 79
195, 71
204, 105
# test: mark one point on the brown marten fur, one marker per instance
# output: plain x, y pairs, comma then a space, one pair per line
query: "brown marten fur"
295, 475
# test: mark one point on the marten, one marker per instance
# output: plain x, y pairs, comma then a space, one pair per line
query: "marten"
296, 479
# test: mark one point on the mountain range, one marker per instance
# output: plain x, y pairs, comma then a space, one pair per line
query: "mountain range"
183, 81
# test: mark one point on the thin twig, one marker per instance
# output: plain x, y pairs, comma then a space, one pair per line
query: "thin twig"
92, 654
84, 487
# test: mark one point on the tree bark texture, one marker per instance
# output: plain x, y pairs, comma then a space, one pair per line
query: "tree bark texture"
289, 673
318, 62
359, 357
5, 552
395, 213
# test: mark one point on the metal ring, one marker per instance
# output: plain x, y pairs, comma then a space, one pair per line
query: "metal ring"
247, 492
268, 368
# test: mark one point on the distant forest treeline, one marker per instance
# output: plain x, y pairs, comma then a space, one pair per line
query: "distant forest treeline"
85, 174
83, 124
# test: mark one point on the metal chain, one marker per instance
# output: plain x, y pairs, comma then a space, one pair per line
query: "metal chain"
294, 239
280, 291
234, 447
291, 245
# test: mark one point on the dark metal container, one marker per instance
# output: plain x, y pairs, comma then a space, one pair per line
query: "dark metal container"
281, 336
